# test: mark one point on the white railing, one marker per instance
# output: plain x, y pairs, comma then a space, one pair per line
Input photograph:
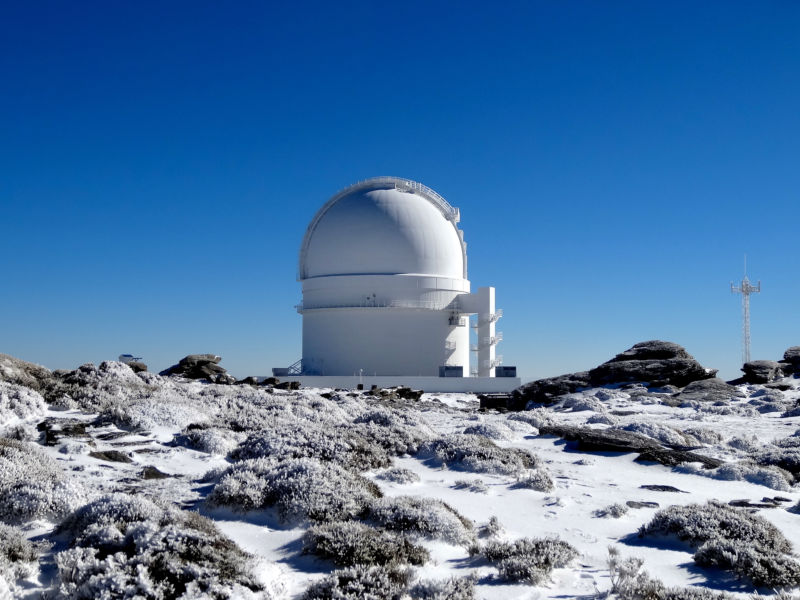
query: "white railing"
450, 345
420, 304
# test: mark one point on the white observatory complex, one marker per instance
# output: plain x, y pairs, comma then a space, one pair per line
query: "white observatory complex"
386, 299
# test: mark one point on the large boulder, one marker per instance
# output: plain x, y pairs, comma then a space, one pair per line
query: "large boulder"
791, 360
200, 366
547, 391
30, 375
712, 390
761, 371
656, 363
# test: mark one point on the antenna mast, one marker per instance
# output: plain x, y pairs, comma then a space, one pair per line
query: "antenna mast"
745, 288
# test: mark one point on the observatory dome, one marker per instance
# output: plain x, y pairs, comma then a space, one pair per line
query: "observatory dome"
384, 226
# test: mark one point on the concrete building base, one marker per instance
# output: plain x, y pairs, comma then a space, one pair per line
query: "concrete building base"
475, 385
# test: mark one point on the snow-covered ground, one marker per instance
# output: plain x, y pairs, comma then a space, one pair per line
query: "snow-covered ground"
192, 432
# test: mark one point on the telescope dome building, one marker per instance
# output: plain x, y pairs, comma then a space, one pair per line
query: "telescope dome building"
386, 299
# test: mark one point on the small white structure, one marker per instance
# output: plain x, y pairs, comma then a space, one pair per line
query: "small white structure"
383, 267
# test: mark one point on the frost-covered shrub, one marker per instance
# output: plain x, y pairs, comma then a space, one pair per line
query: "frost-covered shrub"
477, 453
300, 489
785, 458
473, 485
601, 419
492, 528
538, 480
662, 433
580, 402
32, 486
17, 558
127, 546
699, 523
760, 564
361, 582
494, 431
745, 470
612, 511
704, 435
745, 444
629, 581
19, 404
352, 543
444, 589
537, 417
426, 517
528, 560
398, 475
214, 440
398, 432
301, 439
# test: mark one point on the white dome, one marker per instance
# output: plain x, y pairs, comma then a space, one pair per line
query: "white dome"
385, 226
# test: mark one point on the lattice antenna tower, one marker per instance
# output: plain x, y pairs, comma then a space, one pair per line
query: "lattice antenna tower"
745, 288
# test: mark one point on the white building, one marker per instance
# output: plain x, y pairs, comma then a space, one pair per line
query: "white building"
386, 299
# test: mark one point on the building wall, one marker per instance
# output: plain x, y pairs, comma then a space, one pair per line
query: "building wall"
475, 385
382, 341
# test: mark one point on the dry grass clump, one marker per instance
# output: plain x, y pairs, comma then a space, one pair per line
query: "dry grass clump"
426, 517
128, 546
469, 452
301, 489
732, 539
527, 560
33, 486
352, 543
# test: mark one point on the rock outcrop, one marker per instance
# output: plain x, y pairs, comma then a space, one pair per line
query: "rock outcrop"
761, 371
712, 390
24, 373
200, 366
655, 363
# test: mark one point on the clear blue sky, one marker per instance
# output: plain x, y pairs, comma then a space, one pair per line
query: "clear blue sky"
613, 162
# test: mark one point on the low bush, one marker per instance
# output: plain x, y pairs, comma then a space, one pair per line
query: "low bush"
527, 560
301, 439
491, 529
494, 431
398, 475
19, 404
300, 489
473, 485
699, 523
761, 565
213, 440
662, 433
444, 589
477, 453
426, 517
128, 546
612, 511
629, 581
536, 417
18, 559
361, 582
351, 543
32, 485
538, 480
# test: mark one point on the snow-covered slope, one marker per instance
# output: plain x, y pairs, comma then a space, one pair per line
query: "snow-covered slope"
145, 486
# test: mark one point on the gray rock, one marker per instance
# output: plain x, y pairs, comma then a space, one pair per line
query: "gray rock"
792, 356
615, 440
656, 362
546, 391
24, 373
111, 456
137, 367
662, 488
708, 390
761, 371
200, 366
248, 381
638, 504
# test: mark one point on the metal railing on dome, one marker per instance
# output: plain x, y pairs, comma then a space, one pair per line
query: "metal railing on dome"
406, 185
419, 304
